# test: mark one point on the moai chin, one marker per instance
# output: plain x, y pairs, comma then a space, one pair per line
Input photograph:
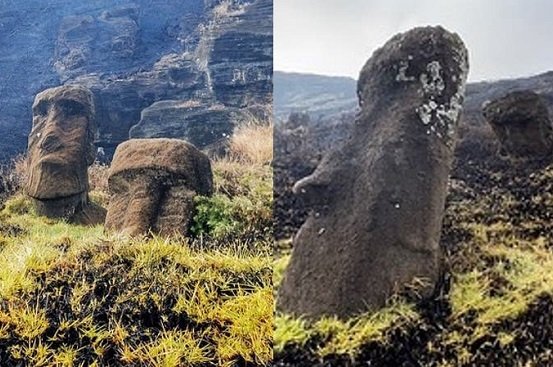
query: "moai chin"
377, 203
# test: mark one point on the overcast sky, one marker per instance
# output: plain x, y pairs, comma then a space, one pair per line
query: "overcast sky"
505, 38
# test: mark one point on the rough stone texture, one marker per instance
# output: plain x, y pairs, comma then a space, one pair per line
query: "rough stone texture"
152, 183
60, 150
196, 122
521, 122
131, 55
87, 42
378, 202
241, 60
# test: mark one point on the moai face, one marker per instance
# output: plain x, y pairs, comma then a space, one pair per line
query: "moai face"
154, 200
152, 185
61, 145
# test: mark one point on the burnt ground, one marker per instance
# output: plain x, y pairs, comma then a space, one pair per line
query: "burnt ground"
479, 185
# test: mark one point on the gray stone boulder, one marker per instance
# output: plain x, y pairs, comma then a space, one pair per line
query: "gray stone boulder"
377, 203
199, 123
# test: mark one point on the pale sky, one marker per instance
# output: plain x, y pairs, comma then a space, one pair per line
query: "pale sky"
505, 38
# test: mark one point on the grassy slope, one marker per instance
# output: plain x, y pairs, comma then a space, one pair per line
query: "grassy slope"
495, 305
75, 296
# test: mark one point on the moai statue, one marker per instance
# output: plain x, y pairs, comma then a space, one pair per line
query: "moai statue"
152, 183
377, 203
61, 147
522, 124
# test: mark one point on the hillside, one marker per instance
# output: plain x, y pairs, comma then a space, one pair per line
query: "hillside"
73, 295
320, 96
216, 54
325, 97
494, 304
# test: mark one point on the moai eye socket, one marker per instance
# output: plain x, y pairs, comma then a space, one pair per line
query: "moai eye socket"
41, 109
72, 108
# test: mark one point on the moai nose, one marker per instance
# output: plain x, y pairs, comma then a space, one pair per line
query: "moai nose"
51, 143
313, 190
142, 206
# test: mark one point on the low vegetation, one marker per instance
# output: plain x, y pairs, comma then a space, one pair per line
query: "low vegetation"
77, 296
494, 305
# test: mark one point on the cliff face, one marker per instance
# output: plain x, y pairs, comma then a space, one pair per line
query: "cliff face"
132, 55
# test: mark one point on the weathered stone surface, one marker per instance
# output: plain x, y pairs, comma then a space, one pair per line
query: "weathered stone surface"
378, 202
86, 43
522, 124
61, 147
241, 60
152, 183
131, 55
196, 122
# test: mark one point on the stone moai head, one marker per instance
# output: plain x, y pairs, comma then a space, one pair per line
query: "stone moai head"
60, 149
522, 124
152, 184
377, 203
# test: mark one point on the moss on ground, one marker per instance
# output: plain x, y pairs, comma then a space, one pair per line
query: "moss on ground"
494, 305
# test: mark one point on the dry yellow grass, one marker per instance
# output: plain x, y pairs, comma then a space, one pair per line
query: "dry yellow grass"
252, 143
98, 177
13, 175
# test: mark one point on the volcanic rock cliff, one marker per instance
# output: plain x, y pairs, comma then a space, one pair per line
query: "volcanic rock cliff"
200, 53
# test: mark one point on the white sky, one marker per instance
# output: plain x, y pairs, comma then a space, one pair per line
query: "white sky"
505, 38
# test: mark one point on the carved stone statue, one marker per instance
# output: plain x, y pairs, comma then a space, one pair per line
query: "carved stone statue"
61, 147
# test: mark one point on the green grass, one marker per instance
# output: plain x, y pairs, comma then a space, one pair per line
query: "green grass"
342, 337
74, 296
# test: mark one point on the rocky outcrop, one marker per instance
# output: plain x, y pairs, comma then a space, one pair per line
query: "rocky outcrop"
377, 203
241, 61
522, 124
131, 55
88, 43
60, 150
196, 122
152, 184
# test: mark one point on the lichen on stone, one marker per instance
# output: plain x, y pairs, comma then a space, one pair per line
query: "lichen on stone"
440, 118
432, 83
402, 76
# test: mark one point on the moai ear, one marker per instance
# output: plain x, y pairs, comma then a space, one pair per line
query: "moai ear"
91, 154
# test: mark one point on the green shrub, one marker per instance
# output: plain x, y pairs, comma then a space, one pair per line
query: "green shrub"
242, 206
214, 216
220, 216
